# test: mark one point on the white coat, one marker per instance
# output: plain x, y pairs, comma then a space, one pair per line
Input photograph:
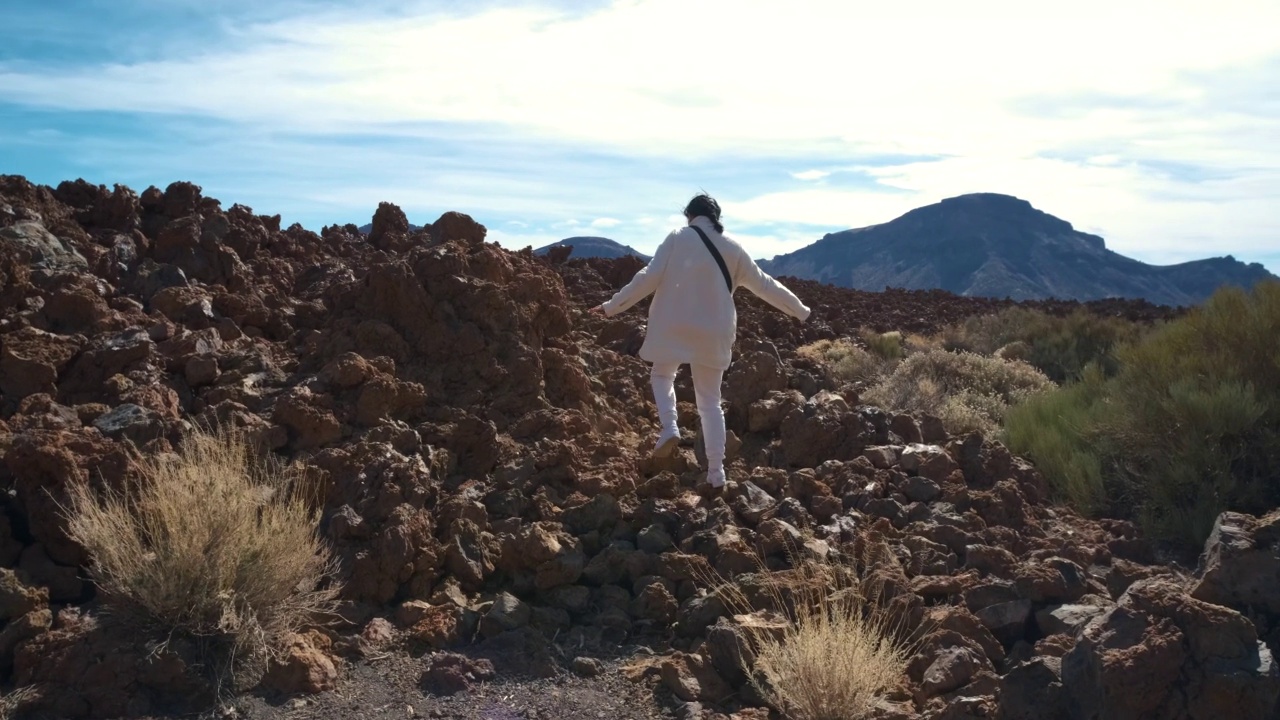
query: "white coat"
692, 318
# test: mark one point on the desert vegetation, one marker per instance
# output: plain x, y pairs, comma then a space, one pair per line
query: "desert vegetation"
1167, 423
823, 643
846, 361
969, 392
215, 542
1060, 346
1186, 425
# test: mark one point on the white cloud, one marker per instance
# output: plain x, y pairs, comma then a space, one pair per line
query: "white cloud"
838, 209
766, 246
929, 76
605, 222
1136, 86
810, 175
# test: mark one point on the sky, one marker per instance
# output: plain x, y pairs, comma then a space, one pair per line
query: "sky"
1153, 123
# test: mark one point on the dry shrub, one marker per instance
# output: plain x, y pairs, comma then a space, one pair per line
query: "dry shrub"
845, 361
840, 649
886, 346
1060, 346
913, 343
216, 543
967, 391
13, 702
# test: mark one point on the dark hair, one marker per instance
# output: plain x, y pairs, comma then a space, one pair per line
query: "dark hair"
707, 206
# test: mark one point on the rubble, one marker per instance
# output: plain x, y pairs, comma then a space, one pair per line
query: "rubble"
482, 441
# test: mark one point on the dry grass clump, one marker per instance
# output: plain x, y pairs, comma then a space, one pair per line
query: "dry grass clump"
839, 650
12, 702
886, 346
845, 361
215, 543
967, 391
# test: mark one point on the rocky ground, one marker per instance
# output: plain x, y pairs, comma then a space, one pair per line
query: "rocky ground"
507, 550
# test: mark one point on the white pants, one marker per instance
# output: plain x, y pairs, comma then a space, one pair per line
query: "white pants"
706, 390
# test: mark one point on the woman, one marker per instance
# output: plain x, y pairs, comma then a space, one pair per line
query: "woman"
692, 320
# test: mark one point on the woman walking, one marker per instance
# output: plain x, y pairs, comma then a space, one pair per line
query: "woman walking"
692, 320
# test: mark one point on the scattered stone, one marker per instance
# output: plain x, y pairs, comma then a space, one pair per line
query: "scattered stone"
451, 673
587, 667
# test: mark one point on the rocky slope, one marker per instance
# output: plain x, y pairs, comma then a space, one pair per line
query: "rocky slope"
1000, 246
481, 440
589, 247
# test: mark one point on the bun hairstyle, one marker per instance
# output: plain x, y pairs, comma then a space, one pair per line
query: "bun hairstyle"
706, 206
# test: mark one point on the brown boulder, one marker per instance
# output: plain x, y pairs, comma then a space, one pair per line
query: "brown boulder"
752, 376
18, 598
451, 673
348, 370
928, 461
390, 227
1240, 566
384, 397
184, 304
442, 626
458, 226
304, 666
1162, 652
692, 678
39, 248
31, 359
822, 429
43, 463
951, 669
309, 418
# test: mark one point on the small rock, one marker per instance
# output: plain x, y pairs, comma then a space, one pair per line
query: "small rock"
201, 370
451, 673
507, 613
587, 667
920, 489
952, 669
1007, 621
305, 666
654, 540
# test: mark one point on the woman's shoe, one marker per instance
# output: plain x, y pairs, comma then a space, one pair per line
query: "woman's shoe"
715, 477
666, 445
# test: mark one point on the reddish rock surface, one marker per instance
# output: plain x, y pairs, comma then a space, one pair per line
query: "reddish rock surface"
480, 439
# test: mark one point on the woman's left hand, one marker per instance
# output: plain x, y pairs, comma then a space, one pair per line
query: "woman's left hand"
598, 310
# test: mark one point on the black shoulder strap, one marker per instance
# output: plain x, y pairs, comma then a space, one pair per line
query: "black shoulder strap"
724, 269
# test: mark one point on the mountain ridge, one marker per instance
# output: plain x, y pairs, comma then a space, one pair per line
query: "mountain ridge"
1001, 246
590, 246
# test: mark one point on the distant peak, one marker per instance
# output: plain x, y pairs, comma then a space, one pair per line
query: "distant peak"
988, 200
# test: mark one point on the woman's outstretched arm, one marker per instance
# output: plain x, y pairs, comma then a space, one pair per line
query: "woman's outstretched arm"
771, 291
644, 283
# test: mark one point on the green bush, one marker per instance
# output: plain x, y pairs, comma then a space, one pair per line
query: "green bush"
1058, 431
968, 391
886, 346
1061, 347
1188, 426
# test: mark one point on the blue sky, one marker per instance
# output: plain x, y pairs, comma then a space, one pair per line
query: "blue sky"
1153, 124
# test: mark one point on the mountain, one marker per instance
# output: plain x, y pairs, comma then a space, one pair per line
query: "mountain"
1000, 246
368, 228
585, 247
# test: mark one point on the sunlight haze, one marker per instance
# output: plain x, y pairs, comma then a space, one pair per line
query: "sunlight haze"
1155, 125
